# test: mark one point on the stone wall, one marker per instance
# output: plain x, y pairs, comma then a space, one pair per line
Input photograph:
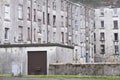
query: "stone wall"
85, 69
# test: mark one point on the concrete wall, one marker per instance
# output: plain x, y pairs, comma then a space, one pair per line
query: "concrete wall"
18, 56
85, 69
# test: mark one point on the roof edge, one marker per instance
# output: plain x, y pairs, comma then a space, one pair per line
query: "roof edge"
35, 45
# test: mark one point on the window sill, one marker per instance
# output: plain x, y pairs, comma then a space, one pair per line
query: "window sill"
54, 9
62, 9
20, 40
35, 21
28, 19
102, 53
101, 16
7, 20
115, 28
102, 40
115, 16
20, 18
39, 32
116, 40
115, 54
102, 28
54, 26
6, 41
28, 40
40, 10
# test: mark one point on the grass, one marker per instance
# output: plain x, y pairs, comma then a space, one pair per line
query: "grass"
65, 76
75, 76
6, 75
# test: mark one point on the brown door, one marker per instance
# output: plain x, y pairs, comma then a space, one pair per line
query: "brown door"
37, 62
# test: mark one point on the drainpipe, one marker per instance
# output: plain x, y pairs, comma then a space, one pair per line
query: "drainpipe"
31, 20
67, 22
72, 29
86, 35
47, 18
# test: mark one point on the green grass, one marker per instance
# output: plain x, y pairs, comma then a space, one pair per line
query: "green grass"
65, 76
74, 76
6, 75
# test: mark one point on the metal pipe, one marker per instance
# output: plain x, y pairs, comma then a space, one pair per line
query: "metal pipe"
47, 18
31, 20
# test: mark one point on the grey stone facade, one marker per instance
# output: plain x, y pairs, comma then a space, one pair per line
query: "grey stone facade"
107, 31
36, 22
49, 21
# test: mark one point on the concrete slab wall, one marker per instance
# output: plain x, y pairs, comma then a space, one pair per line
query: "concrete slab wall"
18, 56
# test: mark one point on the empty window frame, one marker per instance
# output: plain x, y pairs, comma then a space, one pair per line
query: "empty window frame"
101, 12
28, 33
39, 40
28, 13
94, 36
54, 35
20, 37
54, 20
34, 34
102, 36
102, 47
44, 2
39, 26
116, 49
54, 4
94, 48
6, 33
115, 22
62, 22
62, 5
115, 36
35, 18
76, 25
62, 36
48, 18
102, 24
43, 17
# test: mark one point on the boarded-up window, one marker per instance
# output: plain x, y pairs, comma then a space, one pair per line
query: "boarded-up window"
28, 32
62, 35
